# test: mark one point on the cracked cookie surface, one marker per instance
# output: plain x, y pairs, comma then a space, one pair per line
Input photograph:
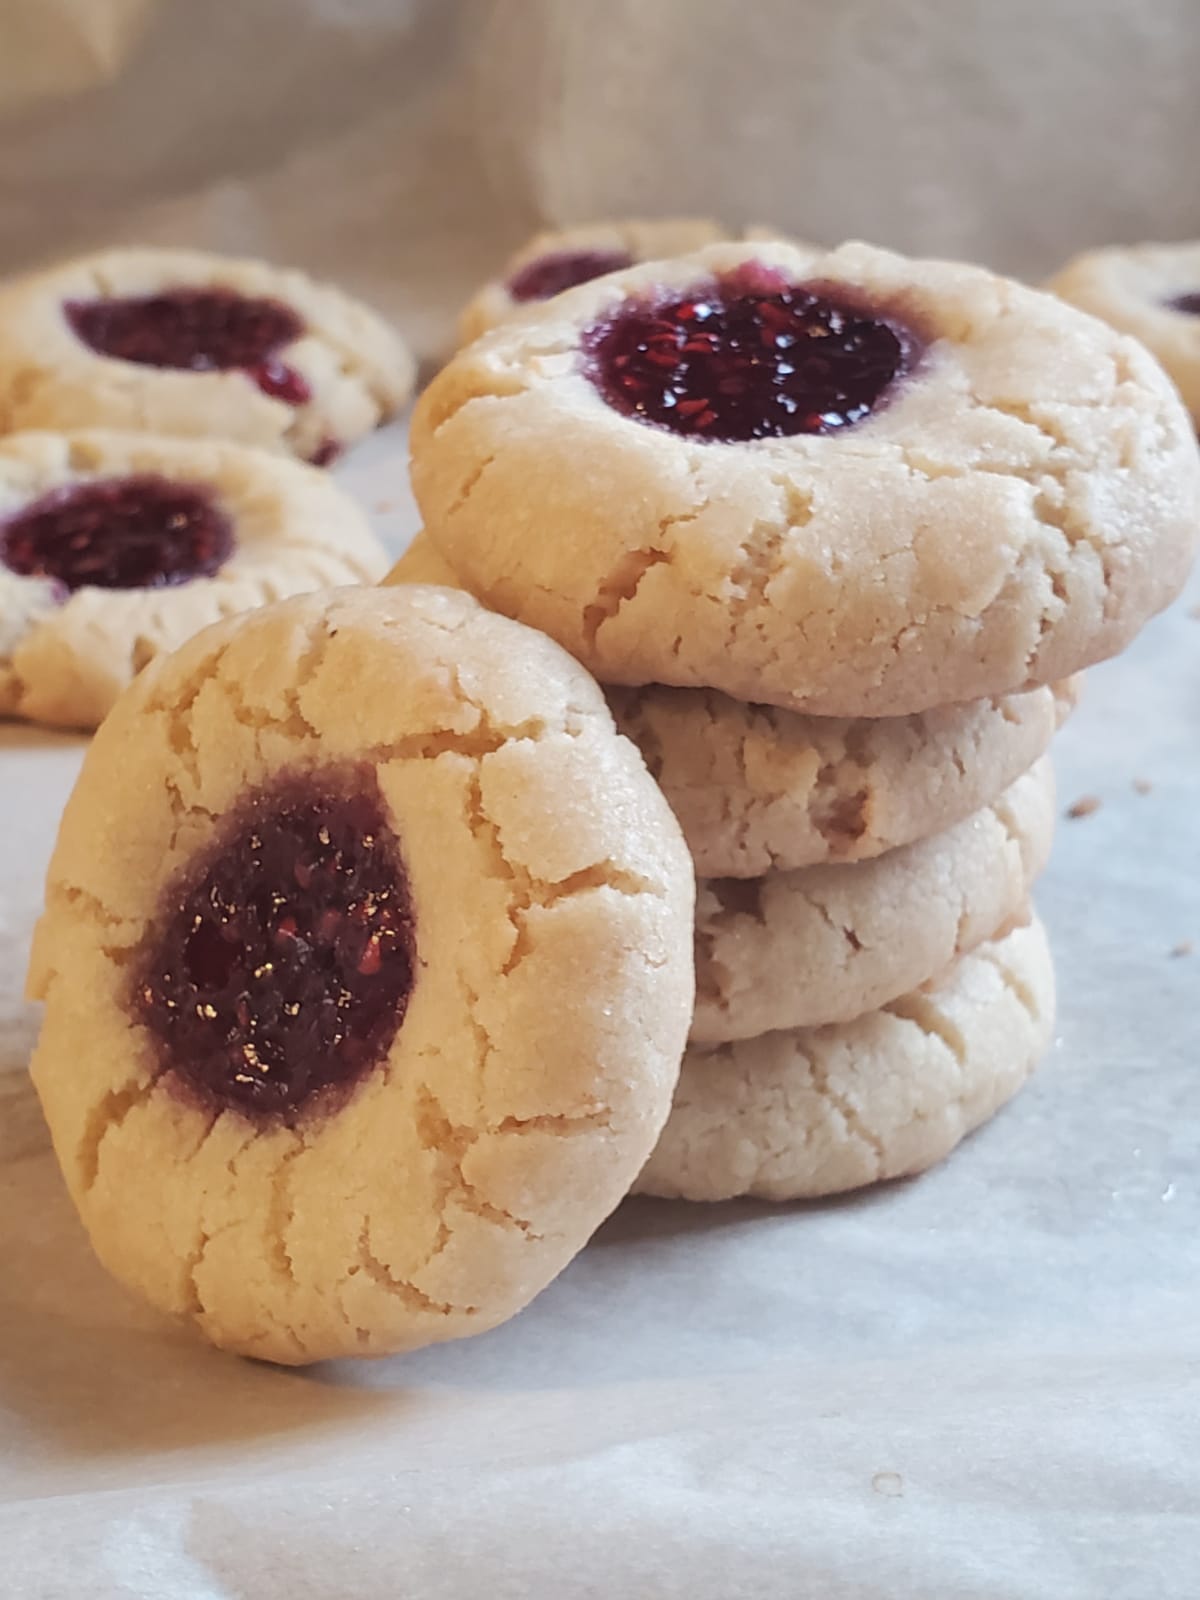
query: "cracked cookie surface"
758, 789
1017, 505
562, 258
818, 1111
466, 1145
825, 944
186, 343
115, 548
1151, 291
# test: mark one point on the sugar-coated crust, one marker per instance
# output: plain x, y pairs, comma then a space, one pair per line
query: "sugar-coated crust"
758, 789
643, 239
356, 366
825, 944
553, 903
293, 530
819, 1111
1027, 499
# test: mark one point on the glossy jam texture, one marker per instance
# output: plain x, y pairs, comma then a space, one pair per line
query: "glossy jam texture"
137, 532
751, 356
197, 330
550, 274
283, 959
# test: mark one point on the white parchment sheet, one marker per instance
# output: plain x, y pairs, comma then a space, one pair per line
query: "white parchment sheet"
982, 1385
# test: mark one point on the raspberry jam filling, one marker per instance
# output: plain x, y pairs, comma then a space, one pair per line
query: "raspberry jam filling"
550, 275
198, 330
139, 532
751, 357
285, 956
1187, 303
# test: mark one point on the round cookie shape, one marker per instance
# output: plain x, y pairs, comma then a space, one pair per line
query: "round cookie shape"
826, 944
1009, 505
478, 909
758, 789
186, 343
560, 259
820, 1111
117, 547
1151, 291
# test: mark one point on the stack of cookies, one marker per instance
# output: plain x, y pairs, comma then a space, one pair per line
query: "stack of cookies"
836, 530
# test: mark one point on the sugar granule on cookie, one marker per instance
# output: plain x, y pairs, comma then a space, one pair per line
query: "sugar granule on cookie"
844, 483
115, 548
181, 342
367, 969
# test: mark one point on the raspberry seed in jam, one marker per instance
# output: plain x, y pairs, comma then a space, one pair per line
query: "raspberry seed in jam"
551, 274
197, 330
139, 532
751, 357
284, 957
1189, 304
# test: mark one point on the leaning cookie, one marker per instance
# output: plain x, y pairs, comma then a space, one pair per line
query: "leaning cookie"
825, 944
560, 259
366, 959
117, 547
819, 1111
181, 342
758, 789
848, 483
1151, 291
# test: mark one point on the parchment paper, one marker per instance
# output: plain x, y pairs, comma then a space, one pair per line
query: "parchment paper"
984, 1383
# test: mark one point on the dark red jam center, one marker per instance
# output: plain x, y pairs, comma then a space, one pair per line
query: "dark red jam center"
200, 330
140, 532
284, 958
550, 275
751, 357
1189, 303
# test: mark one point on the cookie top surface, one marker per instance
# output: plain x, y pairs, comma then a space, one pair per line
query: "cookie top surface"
183, 342
1151, 291
818, 1111
844, 482
116, 547
366, 956
562, 258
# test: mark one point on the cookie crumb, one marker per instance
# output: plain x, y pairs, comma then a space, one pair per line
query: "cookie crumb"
385, 505
1183, 948
1084, 806
1142, 785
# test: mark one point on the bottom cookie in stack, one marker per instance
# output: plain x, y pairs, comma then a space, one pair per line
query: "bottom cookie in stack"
806, 1112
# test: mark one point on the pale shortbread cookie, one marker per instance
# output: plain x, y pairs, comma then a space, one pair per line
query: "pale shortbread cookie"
824, 944
303, 822
759, 789
103, 529
1151, 291
561, 258
320, 370
1012, 508
817, 1111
